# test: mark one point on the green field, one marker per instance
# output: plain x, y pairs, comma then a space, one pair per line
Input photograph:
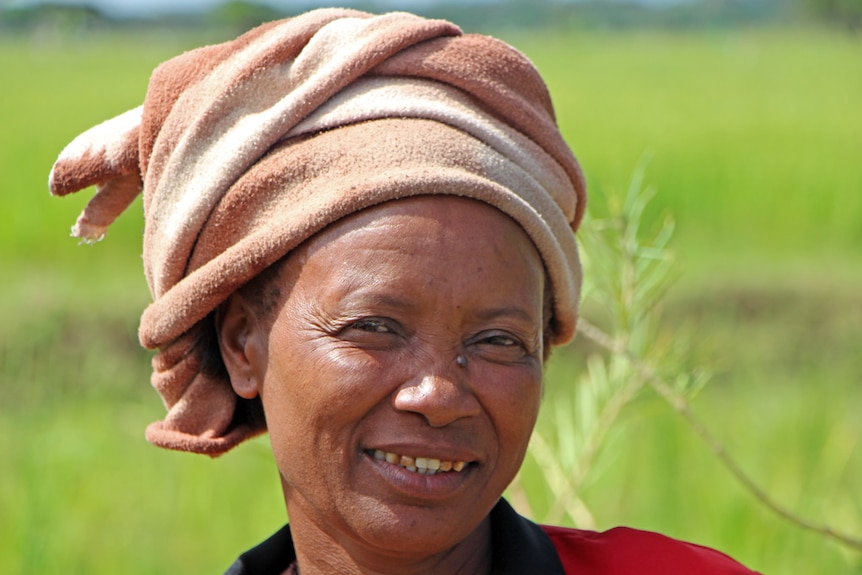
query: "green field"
754, 140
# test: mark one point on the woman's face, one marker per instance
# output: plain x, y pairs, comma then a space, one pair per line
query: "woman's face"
357, 371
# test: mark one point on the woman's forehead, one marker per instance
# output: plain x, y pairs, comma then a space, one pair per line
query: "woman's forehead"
416, 242
426, 220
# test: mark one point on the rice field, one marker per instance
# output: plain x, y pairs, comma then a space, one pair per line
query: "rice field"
753, 141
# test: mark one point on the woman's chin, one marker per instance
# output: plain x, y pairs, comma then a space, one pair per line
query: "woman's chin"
413, 534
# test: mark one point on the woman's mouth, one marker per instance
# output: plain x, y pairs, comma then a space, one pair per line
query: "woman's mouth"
421, 465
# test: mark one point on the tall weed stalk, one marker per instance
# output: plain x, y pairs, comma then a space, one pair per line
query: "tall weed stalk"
627, 271
625, 277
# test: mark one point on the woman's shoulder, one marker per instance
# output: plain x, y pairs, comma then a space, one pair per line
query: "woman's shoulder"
625, 550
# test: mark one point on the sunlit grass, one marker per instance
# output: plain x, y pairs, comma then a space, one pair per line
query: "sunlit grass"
754, 135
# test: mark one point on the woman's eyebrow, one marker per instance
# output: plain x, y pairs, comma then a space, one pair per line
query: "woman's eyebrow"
518, 312
365, 298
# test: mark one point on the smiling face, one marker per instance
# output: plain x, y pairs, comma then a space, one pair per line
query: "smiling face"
390, 445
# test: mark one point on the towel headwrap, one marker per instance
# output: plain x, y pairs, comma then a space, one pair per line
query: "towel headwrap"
246, 149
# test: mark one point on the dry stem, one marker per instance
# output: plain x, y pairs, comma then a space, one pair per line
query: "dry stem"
679, 403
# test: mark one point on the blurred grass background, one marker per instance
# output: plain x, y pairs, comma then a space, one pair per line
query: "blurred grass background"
754, 138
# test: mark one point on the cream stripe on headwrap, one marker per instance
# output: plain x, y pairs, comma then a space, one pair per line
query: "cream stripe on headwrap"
246, 149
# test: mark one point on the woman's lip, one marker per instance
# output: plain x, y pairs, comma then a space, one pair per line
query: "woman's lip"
419, 486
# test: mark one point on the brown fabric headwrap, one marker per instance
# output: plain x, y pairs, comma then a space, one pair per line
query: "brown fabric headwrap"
246, 149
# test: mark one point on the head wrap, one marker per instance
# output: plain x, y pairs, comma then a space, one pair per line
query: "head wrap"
245, 149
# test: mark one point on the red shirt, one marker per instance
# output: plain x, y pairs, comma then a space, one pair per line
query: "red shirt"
624, 551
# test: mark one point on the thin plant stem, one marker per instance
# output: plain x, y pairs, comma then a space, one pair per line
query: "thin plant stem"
606, 420
681, 406
564, 487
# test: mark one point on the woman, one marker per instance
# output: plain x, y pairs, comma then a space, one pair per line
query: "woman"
359, 237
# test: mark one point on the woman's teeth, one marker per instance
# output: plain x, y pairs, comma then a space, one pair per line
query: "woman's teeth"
422, 465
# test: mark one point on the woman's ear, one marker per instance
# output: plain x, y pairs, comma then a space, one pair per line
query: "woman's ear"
242, 345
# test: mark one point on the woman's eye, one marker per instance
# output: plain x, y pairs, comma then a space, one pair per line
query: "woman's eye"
372, 333
370, 326
500, 347
499, 339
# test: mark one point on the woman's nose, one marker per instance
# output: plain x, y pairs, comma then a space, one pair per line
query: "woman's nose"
441, 397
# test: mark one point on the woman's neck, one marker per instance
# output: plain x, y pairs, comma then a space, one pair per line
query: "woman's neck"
319, 553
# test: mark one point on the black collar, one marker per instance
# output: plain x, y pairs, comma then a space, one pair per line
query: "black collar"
519, 546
